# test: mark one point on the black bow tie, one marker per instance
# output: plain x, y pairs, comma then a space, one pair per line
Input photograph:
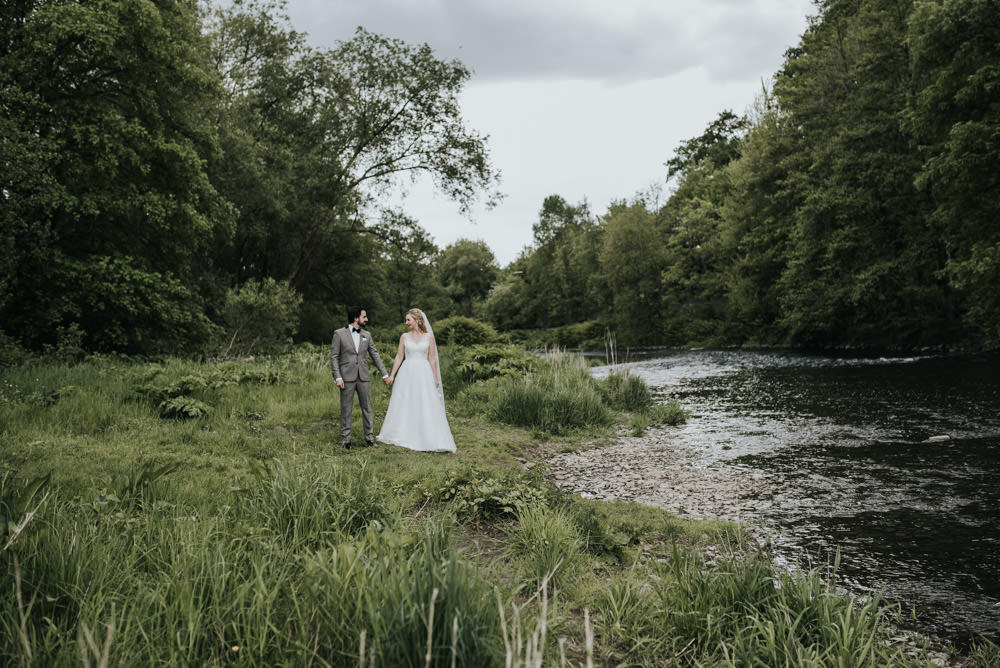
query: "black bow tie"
355, 329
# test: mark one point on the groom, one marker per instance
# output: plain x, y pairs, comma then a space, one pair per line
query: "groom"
349, 360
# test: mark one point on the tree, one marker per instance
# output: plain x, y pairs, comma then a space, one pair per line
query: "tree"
408, 256
467, 270
862, 260
316, 137
715, 147
955, 117
631, 260
106, 121
694, 236
758, 210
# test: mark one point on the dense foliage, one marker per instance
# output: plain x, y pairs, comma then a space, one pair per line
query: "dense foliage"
156, 157
160, 159
855, 204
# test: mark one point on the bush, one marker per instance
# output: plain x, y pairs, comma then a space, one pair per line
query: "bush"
482, 362
483, 495
260, 313
624, 391
464, 331
183, 408
558, 397
119, 306
11, 352
589, 334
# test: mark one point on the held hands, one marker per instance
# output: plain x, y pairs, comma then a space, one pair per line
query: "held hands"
387, 380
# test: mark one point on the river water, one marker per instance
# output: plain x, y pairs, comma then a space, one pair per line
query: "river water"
855, 448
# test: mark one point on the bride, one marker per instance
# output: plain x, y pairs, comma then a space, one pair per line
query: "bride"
415, 418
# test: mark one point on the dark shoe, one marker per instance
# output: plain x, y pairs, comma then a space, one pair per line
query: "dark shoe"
347, 446
370, 444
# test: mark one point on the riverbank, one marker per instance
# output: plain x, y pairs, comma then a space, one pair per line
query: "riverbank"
652, 470
204, 514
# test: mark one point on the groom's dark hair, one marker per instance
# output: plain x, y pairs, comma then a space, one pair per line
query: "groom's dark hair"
354, 312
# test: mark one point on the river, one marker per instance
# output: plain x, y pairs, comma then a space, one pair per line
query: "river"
892, 462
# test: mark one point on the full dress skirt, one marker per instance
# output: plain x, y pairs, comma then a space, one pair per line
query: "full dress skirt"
415, 418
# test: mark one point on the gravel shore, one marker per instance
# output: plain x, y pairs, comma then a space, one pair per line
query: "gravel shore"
649, 469
652, 470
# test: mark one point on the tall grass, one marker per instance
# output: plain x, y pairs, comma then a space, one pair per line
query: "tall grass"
246, 535
547, 543
294, 571
556, 397
742, 612
625, 391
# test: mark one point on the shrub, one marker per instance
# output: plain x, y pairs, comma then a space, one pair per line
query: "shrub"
557, 397
477, 494
260, 313
589, 334
625, 391
11, 352
183, 408
482, 362
116, 305
464, 331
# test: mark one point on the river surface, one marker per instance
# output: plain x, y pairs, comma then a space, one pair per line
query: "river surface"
854, 447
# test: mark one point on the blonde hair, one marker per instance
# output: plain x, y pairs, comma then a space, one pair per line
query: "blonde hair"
419, 317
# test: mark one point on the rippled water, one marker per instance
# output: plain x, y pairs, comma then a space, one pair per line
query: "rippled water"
846, 442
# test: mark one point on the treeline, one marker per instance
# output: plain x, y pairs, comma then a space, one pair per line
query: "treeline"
175, 176
858, 204
172, 175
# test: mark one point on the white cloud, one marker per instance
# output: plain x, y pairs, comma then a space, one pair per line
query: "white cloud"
620, 40
582, 98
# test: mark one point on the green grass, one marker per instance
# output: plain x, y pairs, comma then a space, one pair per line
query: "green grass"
242, 533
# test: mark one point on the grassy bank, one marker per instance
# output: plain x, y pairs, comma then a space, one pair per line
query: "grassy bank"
197, 514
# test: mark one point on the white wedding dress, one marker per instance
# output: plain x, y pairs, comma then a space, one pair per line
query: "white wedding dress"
415, 418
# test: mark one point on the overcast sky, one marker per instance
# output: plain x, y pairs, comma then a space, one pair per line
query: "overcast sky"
581, 98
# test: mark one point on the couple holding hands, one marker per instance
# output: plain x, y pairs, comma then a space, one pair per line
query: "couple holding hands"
415, 418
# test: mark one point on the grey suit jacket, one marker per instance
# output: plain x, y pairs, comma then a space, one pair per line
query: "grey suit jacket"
351, 364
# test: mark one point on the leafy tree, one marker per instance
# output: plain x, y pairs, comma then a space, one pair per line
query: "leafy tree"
631, 260
510, 303
315, 137
106, 126
408, 256
694, 235
861, 258
955, 115
758, 210
715, 147
467, 270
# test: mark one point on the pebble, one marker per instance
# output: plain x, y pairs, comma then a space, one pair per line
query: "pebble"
647, 470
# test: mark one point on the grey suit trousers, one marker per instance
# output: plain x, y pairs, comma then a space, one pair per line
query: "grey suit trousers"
364, 391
